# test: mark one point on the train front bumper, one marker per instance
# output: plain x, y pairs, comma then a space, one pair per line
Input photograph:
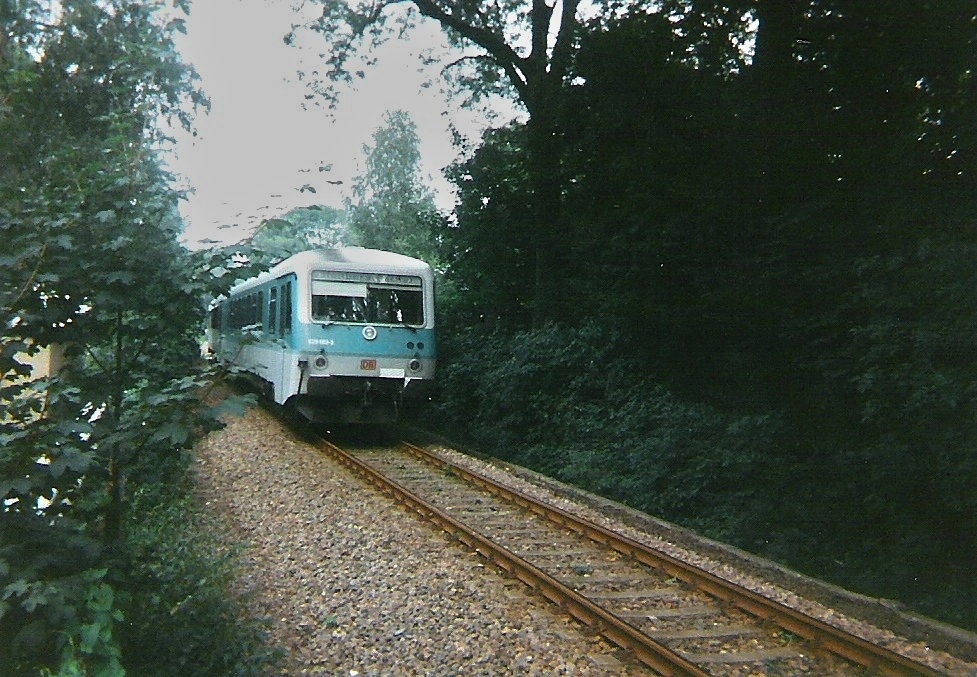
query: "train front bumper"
356, 388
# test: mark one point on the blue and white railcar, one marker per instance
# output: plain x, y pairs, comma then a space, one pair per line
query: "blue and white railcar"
345, 334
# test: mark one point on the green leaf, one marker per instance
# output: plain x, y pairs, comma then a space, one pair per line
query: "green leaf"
16, 589
70, 459
237, 405
101, 598
176, 433
89, 635
17, 486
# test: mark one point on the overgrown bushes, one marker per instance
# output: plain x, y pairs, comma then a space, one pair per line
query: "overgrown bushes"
580, 405
576, 404
152, 599
90, 261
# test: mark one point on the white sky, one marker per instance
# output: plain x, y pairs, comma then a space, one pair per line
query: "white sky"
258, 147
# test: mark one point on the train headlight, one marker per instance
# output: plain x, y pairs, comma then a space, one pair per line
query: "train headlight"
321, 362
369, 333
414, 365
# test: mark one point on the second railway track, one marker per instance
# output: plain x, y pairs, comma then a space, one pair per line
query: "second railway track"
669, 615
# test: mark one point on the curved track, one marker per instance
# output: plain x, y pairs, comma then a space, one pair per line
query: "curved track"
673, 617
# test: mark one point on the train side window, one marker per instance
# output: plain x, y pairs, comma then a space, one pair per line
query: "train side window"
287, 308
272, 310
259, 308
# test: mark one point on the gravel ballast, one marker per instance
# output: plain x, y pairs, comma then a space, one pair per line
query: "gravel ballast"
354, 585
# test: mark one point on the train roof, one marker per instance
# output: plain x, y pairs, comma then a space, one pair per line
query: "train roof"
352, 257
341, 258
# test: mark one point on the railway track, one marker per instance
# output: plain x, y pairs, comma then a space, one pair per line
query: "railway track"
671, 616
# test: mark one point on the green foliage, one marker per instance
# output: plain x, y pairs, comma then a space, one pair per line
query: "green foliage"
299, 230
90, 262
493, 233
95, 641
573, 403
781, 244
390, 208
71, 617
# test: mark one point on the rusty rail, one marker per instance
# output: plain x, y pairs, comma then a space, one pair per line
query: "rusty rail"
649, 652
645, 649
821, 634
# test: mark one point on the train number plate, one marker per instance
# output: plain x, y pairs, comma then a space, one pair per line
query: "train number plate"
368, 365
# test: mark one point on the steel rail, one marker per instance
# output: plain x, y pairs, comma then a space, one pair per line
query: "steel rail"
646, 650
817, 632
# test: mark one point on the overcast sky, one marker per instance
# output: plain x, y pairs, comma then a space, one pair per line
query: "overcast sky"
259, 145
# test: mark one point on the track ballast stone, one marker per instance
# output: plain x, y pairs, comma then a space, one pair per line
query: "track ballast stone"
351, 584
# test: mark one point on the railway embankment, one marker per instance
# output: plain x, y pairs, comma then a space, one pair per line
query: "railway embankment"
877, 617
352, 585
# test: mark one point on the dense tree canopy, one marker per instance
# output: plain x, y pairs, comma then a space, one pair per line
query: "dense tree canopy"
299, 230
89, 260
521, 47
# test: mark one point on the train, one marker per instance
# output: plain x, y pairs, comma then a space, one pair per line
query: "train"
344, 335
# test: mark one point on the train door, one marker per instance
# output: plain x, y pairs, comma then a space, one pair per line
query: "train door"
275, 331
289, 380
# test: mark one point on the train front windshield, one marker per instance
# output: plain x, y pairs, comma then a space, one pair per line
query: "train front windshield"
367, 298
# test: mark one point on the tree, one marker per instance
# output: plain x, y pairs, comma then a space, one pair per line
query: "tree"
864, 94
488, 275
300, 229
390, 207
782, 233
91, 261
528, 46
